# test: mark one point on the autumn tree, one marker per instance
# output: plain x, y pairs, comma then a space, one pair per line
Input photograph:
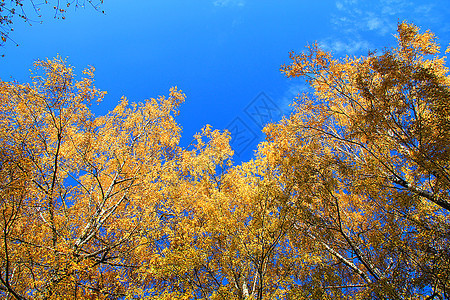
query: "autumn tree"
369, 155
230, 238
348, 197
79, 194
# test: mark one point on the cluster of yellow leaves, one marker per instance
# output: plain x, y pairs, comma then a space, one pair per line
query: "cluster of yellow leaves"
375, 139
347, 198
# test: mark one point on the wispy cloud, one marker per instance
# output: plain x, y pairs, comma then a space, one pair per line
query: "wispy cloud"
351, 46
224, 3
358, 21
375, 16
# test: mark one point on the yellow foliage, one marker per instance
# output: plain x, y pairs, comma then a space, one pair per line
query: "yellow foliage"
348, 197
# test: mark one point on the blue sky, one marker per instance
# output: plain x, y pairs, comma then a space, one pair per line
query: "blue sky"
224, 54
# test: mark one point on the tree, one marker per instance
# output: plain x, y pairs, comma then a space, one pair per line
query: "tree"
370, 153
348, 197
343, 200
78, 193
11, 10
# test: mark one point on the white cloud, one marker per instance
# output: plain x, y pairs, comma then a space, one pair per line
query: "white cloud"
394, 7
374, 23
358, 25
381, 25
353, 46
357, 22
376, 16
224, 3
424, 9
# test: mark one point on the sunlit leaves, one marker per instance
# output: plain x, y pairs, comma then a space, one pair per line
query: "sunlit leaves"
348, 197
377, 145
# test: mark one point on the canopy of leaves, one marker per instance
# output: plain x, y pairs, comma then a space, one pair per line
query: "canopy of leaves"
348, 197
